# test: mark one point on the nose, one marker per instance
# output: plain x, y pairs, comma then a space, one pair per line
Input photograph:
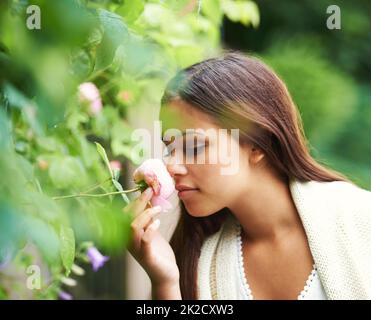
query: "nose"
176, 169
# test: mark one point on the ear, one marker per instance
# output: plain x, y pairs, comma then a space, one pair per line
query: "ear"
256, 155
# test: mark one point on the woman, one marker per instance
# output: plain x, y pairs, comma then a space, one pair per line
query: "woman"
282, 227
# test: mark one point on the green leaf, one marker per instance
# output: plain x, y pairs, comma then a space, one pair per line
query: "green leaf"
47, 143
115, 34
6, 140
81, 63
211, 9
176, 5
103, 154
131, 10
17, 99
67, 172
116, 174
43, 207
67, 238
26, 167
45, 237
188, 54
118, 186
245, 12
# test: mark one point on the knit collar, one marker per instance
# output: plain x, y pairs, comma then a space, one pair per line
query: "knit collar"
321, 216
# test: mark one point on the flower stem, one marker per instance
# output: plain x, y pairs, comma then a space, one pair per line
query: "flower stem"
95, 195
96, 185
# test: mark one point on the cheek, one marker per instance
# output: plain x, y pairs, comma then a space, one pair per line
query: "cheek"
216, 191
211, 181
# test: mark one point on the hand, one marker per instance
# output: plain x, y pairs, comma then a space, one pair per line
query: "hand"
147, 245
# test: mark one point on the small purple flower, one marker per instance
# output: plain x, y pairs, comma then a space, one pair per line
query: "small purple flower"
96, 258
64, 295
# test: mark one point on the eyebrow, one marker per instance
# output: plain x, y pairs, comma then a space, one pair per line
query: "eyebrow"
183, 133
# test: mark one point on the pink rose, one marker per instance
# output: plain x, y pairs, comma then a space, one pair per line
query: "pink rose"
155, 175
89, 93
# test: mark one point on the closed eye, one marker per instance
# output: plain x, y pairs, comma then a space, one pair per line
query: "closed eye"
195, 150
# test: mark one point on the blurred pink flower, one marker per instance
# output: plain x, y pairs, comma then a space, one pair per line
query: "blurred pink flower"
43, 164
154, 173
125, 95
115, 164
89, 93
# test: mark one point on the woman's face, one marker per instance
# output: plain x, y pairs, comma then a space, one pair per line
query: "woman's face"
206, 159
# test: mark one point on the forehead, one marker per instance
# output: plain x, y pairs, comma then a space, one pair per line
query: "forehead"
181, 115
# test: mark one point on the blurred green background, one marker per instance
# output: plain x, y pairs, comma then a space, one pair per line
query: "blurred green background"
129, 50
327, 73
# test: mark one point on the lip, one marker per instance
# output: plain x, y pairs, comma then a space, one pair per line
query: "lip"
183, 187
185, 191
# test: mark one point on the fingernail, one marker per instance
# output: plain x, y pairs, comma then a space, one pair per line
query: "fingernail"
155, 224
148, 191
156, 209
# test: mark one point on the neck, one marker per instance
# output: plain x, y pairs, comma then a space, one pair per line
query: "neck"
266, 212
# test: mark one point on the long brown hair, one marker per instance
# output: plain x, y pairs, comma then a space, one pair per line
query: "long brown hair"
240, 91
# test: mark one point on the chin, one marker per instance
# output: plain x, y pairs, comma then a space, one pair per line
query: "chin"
198, 211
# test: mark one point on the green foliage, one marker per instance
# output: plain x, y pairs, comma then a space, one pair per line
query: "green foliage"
115, 33
114, 174
131, 10
323, 92
327, 73
67, 237
245, 12
58, 190
103, 154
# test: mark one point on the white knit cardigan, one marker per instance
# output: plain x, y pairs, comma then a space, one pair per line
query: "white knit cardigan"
337, 220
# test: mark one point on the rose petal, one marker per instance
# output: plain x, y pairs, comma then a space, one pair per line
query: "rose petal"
163, 203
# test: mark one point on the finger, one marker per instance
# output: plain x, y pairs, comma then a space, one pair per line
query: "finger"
135, 241
153, 182
140, 204
140, 175
150, 232
146, 217
140, 223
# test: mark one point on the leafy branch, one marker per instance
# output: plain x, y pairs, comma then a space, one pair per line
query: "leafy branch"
113, 178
